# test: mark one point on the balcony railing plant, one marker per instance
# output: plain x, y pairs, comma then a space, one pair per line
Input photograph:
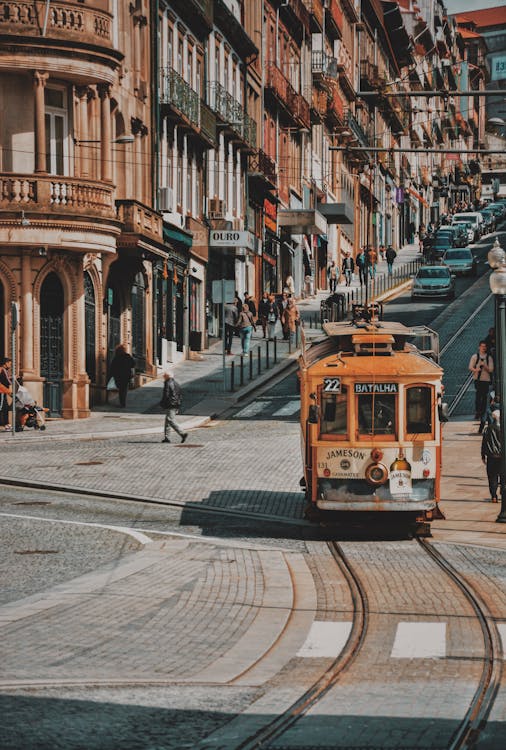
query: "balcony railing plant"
177, 92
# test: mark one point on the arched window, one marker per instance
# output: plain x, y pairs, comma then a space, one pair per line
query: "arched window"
89, 326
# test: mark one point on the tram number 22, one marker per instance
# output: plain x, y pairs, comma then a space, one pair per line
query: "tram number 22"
332, 385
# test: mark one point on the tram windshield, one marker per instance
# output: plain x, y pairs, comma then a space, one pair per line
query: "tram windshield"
335, 413
418, 410
376, 414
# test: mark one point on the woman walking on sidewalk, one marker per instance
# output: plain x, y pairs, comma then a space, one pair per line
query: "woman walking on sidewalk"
246, 325
290, 319
272, 316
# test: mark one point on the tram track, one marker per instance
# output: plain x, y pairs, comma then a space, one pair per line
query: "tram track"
467, 733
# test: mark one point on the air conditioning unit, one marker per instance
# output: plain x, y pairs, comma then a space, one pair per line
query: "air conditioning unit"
165, 199
216, 208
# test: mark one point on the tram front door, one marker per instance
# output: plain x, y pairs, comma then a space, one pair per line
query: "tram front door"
51, 342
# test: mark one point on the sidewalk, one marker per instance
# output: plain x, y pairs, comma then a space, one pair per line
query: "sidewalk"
204, 395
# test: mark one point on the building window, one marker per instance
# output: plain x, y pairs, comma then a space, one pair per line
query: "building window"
419, 410
376, 414
334, 413
56, 117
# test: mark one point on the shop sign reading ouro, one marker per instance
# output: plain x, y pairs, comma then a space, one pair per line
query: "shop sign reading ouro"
231, 238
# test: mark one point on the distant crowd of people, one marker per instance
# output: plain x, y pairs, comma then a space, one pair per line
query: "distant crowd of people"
365, 264
242, 318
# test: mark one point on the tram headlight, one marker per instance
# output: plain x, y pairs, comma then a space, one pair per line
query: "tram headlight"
376, 474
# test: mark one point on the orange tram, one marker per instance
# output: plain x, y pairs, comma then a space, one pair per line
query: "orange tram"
371, 417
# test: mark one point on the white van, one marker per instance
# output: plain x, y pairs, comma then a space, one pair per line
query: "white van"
474, 217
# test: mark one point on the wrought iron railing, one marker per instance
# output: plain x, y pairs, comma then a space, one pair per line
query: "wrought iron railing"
231, 112
357, 129
177, 92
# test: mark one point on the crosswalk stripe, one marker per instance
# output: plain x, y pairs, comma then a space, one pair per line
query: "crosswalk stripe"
288, 409
420, 640
251, 410
325, 639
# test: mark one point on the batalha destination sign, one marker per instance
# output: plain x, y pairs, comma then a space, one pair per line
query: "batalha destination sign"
376, 388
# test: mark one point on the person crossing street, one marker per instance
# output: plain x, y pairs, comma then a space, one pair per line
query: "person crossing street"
171, 402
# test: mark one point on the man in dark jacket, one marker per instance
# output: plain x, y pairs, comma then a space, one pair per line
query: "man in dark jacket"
171, 402
491, 454
348, 267
390, 255
120, 369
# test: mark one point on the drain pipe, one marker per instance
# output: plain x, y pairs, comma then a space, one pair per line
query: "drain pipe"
46, 18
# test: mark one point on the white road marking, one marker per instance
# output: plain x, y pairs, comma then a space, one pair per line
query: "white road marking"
137, 535
251, 410
501, 627
288, 409
325, 639
420, 640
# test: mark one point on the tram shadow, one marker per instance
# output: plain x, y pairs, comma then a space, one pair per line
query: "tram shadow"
260, 514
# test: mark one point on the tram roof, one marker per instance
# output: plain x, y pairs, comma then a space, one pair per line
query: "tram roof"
405, 363
380, 327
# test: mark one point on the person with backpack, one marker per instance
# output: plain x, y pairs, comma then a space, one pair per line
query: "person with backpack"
171, 402
481, 365
491, 454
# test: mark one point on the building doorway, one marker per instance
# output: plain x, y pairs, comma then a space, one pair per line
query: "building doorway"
51, 341
113, 321
138, 293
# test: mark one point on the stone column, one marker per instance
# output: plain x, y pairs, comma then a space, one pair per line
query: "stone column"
82, 94
104, 92
39, 85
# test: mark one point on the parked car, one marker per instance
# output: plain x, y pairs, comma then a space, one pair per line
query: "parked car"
433, 281
438, 247
474, 217
457, 232
461, 260
499, 210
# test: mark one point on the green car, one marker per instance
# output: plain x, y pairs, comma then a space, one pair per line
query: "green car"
461, 260
433, 281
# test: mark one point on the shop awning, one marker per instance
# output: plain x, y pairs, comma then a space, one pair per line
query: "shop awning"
178, 236
337, 213
302, 221
418, 197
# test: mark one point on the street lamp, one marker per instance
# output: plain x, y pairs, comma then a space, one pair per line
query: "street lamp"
497, 261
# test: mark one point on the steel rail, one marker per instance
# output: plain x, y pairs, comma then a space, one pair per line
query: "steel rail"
285, 720
466, 734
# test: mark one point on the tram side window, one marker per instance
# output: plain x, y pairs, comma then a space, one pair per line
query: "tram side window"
376, 414
334, 419
418, 410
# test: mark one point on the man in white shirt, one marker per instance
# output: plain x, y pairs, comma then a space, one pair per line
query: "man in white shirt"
481, 365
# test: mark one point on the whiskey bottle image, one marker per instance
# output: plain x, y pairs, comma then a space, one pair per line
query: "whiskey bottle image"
400, 476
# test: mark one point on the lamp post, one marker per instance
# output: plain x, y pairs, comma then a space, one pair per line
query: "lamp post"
497, 261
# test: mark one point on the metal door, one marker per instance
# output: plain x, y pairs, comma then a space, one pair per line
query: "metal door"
139, 323
89, 325
51, 342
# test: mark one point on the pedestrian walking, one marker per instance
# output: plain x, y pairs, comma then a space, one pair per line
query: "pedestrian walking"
272, 316
289, 285
282, 304
348, 268
333, 276
171, 402
245, 326
120, 369
382, 251
491, 454
481, 365
371, 261
360, 262
263, 312
5, 392
391, 255
231, 315
291, 319
251, 304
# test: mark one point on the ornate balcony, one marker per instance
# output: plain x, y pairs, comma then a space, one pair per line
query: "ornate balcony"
55, 195
295, 105
357, 130
82, 35
299, 107
352, 9
315, 8
297, 12
139, 219
176, 93
335, 108
262, 171
197, 13
369, 76
232, 115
